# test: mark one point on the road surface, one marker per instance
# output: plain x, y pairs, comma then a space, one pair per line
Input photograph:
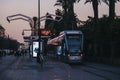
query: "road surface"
25, 68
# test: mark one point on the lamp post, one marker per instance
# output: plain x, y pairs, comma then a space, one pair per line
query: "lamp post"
39, 12
38, 16
39, 36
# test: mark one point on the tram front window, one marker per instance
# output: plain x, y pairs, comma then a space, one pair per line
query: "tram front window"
74, 43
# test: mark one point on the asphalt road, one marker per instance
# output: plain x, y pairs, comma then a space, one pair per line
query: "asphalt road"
25, 68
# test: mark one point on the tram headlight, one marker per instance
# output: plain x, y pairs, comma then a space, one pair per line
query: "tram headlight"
68, 55
81, 54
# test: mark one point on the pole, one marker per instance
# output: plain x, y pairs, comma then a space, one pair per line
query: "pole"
39, 55
39, 37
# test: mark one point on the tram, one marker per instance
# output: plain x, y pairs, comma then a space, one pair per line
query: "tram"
69, 46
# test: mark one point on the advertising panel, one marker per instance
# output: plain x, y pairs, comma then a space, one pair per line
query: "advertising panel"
35, 48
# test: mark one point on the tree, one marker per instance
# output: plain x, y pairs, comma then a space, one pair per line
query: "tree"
8, 43
58, 27
69, 19
95, 23
62, 3
48, 22
95, 7
111, 4
72, 16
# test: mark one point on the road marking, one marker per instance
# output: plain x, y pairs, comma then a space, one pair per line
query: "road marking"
57, 79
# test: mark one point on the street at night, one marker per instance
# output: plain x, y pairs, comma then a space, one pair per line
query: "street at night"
59, 40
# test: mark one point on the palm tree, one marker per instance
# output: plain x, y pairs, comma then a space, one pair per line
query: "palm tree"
111, 4
48, 22
95, 7
62, 3
68, 12
72, 16
58, 26
95, 23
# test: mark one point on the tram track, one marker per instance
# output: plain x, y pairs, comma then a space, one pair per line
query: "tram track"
101, 69
97, 71
96, 74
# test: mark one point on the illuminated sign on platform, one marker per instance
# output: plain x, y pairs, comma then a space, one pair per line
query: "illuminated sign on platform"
35, 48
45, 32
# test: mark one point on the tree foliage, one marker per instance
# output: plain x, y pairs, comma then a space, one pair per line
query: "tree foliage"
69, 20
106, 36
7, 43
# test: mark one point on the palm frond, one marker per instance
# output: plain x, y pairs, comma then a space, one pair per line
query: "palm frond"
106, 2
58, 4
87, 1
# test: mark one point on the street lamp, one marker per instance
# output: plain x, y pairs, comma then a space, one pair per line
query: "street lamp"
39, 37
39, 31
